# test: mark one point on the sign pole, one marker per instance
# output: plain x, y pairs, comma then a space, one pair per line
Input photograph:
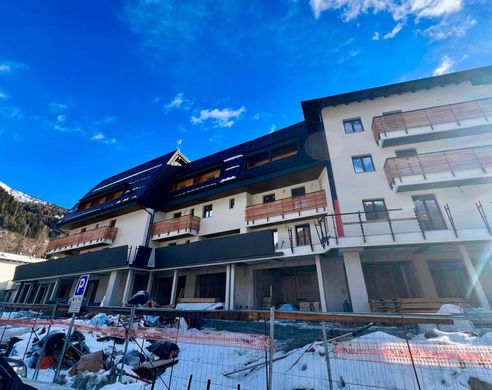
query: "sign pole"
75, 305
64, 349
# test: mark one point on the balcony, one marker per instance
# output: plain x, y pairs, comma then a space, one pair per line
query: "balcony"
292, 208
186, 225
452, 120
238, 247
104, 235
103, 260
441, 169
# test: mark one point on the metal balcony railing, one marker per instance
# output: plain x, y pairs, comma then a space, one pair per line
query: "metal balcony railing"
90, 237
184, 223
431, 116
312, 201
451, 161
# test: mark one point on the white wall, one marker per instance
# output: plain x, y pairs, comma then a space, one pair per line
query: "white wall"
353, 187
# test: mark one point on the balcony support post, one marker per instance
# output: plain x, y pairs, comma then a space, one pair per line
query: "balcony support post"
150, 282
474, 278
227, 287
424, 277
232, 286
355, 281
174, 288
128, 286
321, 283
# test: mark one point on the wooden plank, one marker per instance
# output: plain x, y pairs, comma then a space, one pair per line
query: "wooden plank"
199, 300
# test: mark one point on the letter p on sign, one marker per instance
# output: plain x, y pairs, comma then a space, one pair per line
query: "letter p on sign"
81, 286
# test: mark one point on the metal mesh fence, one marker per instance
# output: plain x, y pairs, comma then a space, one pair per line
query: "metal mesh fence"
166, 349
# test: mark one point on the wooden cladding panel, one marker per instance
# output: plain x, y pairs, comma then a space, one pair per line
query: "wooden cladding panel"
176, 224
431, 116
93, 235
441, 162
311, 201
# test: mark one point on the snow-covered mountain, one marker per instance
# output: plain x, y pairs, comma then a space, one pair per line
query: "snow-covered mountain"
21, 196
26, 222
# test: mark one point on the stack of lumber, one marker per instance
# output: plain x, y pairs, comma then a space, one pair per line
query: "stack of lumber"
413, 305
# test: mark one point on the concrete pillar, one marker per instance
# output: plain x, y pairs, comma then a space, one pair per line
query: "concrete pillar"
227, 287
174, 288
111, 289
474, 278
356, 282
424, 276
128, 286
150, 282
232, 286
321, 285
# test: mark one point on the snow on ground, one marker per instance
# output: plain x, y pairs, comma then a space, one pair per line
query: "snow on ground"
300, 368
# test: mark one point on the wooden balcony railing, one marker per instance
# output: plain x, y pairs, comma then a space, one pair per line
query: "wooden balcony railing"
431, 116
451, 161
312, 201
92, 236
183, 223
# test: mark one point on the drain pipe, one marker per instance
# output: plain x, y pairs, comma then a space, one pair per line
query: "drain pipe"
149, 228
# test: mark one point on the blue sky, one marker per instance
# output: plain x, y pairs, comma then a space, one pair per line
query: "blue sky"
90, 88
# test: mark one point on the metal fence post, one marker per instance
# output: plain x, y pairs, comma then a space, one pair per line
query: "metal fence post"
43, 348
64, 349
272, 338
127, 340
411, 355
327, 356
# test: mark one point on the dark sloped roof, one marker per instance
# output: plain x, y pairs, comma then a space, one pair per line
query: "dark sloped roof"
312, 108
232, 161
136, 182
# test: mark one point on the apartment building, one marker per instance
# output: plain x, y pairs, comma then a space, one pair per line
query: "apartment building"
412, 170
379, 194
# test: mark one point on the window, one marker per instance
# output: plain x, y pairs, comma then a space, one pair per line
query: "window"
299, 191
83, 230
232, 203
177, 215
303, 235
192, 212
258, 159
284, 151
375, 209
172, 244
274, 154
207, 175
353, 126
177, 185
363, 164
269, 198
428, 212
115, 195
406, 152
207, 211
112, 223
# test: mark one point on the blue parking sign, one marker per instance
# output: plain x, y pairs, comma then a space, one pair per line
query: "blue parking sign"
81, 286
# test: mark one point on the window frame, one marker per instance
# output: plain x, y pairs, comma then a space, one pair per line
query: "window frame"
432, 223
207, 213
351, 121
361, 159
301, 189
232, 203
376, 215
306, 239
265, 197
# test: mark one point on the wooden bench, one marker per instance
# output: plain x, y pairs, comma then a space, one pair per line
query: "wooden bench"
414, 305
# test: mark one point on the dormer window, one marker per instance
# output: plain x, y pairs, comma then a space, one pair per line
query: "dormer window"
274, 154
207, 175
96, 201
